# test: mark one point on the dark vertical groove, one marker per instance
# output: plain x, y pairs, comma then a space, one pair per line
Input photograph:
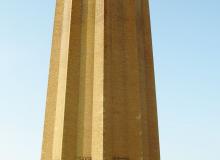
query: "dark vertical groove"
107, 138
72, 89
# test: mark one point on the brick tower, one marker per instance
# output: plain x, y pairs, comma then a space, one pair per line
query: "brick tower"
101, 102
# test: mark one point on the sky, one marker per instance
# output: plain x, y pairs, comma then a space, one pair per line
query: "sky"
186, 43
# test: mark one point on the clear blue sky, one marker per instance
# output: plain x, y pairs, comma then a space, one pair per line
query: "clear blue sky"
186, 40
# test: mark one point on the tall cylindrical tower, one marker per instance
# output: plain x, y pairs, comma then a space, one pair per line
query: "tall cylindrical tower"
101, 102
